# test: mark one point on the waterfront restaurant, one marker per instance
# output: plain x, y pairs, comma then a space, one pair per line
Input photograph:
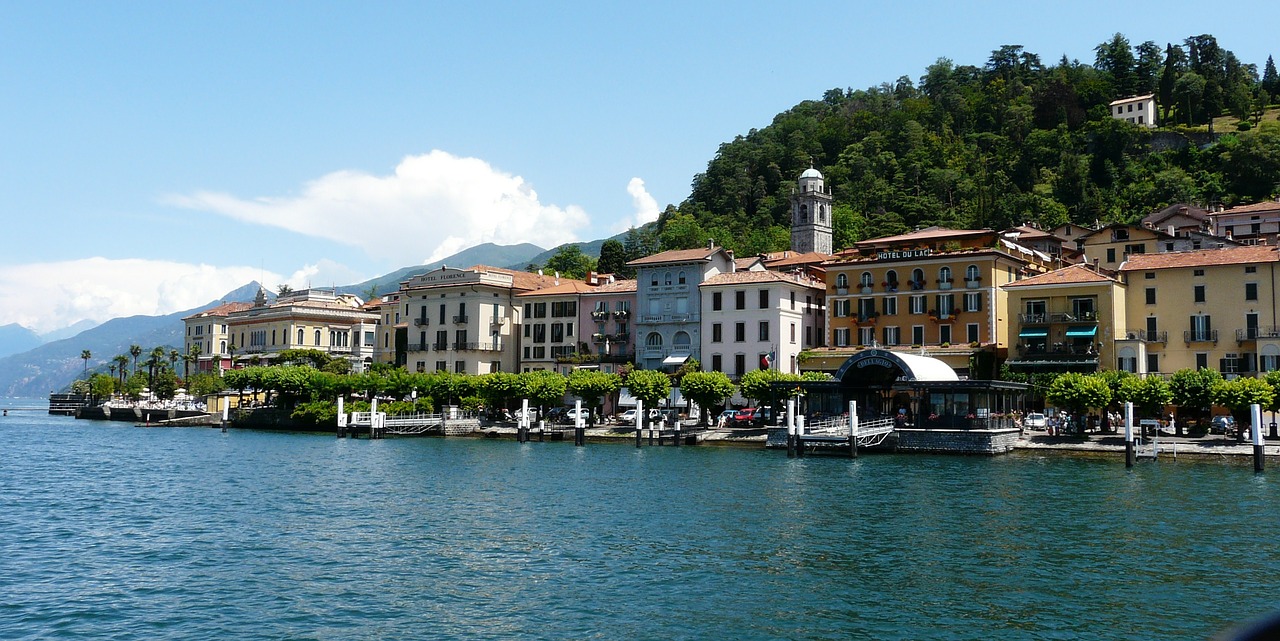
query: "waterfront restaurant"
942, 412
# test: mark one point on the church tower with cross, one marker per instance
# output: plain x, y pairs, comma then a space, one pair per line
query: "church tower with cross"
811, 214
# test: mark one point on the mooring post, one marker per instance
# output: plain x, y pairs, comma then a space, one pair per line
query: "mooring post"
579, 436
677, 436
639, 420
226, 406
342, 419
800, 435
853, 429
791, 427
522, 426
1259, 457
1128, 435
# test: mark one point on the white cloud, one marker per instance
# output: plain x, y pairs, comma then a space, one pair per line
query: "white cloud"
100, 289
646, 208
432, 206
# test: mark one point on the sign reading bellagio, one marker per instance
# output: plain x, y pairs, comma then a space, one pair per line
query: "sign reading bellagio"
876, 361
904, 253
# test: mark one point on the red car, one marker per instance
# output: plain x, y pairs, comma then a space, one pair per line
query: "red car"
747, 417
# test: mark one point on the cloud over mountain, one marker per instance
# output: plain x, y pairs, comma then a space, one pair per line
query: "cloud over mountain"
433, 205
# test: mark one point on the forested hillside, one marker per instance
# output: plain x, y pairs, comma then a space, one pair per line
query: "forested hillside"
1011, 141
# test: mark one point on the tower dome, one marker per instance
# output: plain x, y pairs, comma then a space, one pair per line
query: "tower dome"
811, 173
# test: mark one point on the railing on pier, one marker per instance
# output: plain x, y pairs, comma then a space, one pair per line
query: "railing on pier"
836, 431
400, 424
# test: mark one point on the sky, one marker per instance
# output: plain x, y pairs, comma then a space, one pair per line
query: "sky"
156, 155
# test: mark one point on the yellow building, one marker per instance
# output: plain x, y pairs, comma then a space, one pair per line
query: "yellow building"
208, 333
321, 319
936, 290
1212, 308
1066, 320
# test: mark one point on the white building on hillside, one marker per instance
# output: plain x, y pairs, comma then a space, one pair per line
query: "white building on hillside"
1139, 110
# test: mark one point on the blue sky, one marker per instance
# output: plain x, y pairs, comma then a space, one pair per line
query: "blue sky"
154, 155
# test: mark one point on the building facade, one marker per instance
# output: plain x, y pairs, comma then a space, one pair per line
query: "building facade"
1139, 110
208, 332
606, 312
811, 214
551, 331
320, 319
1066, 320
759, 319
669, 303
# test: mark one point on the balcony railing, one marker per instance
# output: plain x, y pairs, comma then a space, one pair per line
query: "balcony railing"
418, 347
972, 284
1254, 333
622, 337
461, 319
440, 347
478, 347
421, 322
622, 314
599, 338
600, 315
1200, 336
1147, 337
1033, 319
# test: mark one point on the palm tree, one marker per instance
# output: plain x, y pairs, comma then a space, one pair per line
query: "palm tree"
121, 361
174, 355
112, 367
135, 351
85, 355
153, 363
193, 355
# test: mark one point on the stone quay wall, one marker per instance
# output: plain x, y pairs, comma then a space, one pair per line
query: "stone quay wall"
958, 441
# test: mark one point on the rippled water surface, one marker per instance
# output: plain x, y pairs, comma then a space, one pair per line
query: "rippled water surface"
113, 531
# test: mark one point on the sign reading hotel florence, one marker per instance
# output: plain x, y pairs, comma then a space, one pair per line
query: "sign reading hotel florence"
904, 253
451, 276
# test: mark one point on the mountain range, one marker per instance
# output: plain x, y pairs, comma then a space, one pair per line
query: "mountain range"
33, 366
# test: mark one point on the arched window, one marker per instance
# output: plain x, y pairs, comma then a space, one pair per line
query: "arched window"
301, 337
842, 281
865, 280
804, 213
317, 338
681, 341
971, 273
891, 277
222, 347
944, 275
654, 339
917, 278
668, 279
681, 277
822, 214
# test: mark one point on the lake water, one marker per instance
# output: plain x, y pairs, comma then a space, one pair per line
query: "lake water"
113, 531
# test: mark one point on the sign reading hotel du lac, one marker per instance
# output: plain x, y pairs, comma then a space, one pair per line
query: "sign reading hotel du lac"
905, 253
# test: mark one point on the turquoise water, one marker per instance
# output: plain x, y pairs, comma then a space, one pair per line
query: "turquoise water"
113, 531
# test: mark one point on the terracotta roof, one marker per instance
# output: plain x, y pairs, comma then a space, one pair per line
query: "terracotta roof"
221, 310
928, 233
565, 287
741, 264
1202, 258
1071, 275
519, 279
1190, 211
1145, 96
783, 259
677, 256
1024, 232
616, 287
741, 278
1266, 205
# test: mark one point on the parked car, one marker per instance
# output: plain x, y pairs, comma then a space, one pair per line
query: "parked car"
1035, 421
747, 417
1222, 424
628, 416
556, 414
571, 414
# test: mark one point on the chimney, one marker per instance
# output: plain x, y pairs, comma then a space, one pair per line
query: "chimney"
1171, 231
733, 263
711, 244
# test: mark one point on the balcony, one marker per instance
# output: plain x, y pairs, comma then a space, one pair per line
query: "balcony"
1254, 333
421, 322
868, 289
498, 321
942, 317
1200, 336
1033, 319
842, 291
622, 337
1146, 337
599, 338
972, 283
478, 347
461, 319
417, 347
916, 285
600, 315
944, 283
651, 318
866, 319
439, 347
622, 314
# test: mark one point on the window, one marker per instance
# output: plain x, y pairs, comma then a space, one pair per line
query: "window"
944, 274
841, 307
793, 333
842, 336
891, 277
1202, 360
680, 277
317, 337
917, 334
866, 335
944, 333
973, 302
1197, 272
842, 281
716, 333
539, 333
653, 341
1127, 361
865, 280
764, 330
866, 308
972, 331
739, 364
971, 273
539, 310
946, 305
1151, 296
1197, 293
917, 278
793, 301
1250, 269
808, 303
1111, 254
1251, 291
1083, 308
1151, 327
442, 340
441, 366
716, 364
739, 332
740, 299
891, 306
557, 332
666, 278
764, 299
891, 336
460, 366
301, 339
918, 304
442, 312
1201, 328
717, 299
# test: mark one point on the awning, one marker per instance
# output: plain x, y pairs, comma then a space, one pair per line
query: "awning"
1087, 364
676, 359
1082, 331
1033, 332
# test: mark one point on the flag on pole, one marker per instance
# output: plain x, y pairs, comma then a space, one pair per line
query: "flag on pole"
766, 360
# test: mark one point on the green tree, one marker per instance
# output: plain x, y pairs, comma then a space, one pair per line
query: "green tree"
192, 356
1270, 79
498, 388
1148, 394
1115, 57
649, 386
591, 386
613, 259
164, 383
570, 262
101, 386
283, 290
1193, 390
121, 361
1238, 394
1078, 393
707, 389
757, 384
135, 351
204, 384
544, 388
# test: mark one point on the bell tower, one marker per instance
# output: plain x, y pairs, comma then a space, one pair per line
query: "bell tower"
811, 214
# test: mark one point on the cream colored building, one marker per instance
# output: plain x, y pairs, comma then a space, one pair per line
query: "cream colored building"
1214, 308
551, 330
1139, 110
208, 331
465, 320
750, 315
1066, 320
321, 319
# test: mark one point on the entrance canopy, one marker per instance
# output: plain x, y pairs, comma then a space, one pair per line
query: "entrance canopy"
885, 367
677, 358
